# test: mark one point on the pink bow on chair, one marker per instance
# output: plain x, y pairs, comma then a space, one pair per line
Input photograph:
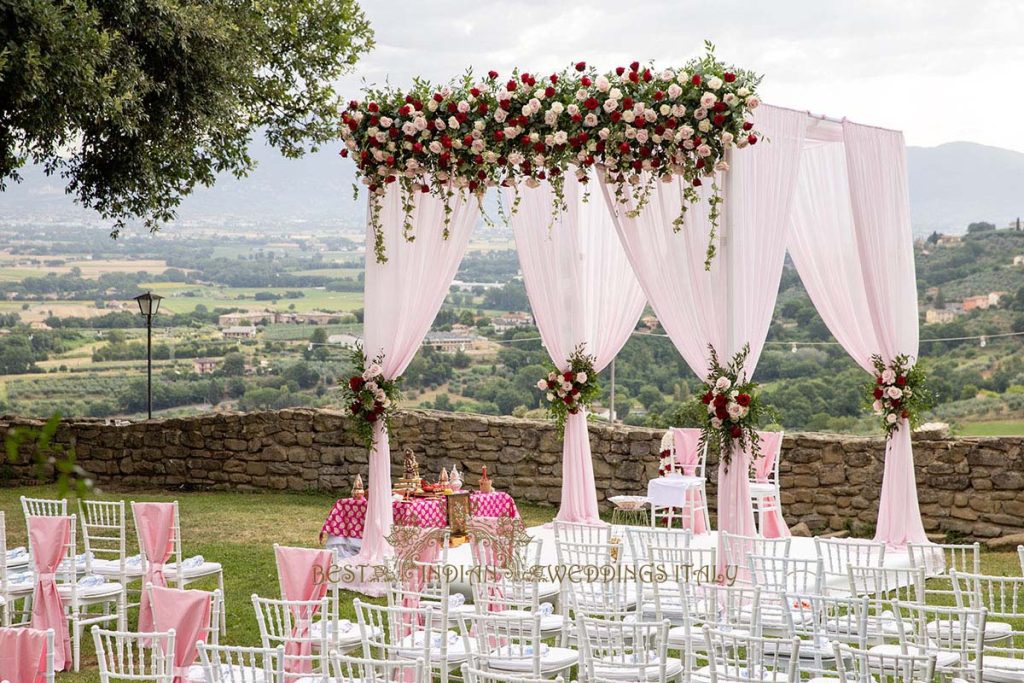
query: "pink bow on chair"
49, 539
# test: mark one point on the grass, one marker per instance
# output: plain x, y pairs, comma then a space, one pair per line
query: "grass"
993, 428
239, 530
244, 298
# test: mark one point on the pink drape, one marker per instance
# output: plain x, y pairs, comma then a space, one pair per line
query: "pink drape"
853, 246
22, 655
582, 291
773, 524
155, 522
302, 573
49, 538
188, 613
401, 300
687, 445
731, 304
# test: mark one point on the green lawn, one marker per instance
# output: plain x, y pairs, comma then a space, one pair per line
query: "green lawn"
993, 428
244, 298
239, 530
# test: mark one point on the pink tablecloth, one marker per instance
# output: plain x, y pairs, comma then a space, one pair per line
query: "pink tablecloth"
346, 518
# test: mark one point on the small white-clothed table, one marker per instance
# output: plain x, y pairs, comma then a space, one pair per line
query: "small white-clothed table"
670, 490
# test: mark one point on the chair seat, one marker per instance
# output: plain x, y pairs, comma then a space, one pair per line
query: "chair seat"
19, 588
548, 622
113, 568
553, 659
409, 648
943, 660
231, 673
205, 569
108, 589
673, 667
766, 675
677, 637
1003, 669
761, 489
346, 637
994, 630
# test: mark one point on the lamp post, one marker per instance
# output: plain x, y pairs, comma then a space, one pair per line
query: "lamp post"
149, 304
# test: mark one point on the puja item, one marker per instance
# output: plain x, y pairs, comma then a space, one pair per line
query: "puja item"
458, 516
485, 482
455, 479
410, 482
443, 479
358, 492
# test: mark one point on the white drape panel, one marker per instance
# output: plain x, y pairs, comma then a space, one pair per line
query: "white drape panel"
694, 305
853, 247
401, 300
582, 291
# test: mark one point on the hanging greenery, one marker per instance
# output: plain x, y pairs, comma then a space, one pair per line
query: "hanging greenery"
637, 125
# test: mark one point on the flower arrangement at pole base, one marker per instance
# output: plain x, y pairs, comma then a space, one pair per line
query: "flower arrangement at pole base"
570, 391
371, 397
640, 124
899, 392
733, 410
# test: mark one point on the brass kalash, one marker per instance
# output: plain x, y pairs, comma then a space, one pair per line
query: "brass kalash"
411, 485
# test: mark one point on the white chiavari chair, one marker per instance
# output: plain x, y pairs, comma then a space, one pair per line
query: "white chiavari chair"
881, 586
512, 643
641, 539
938, 560
471, 675
728, 608
1002, 598
572, 532
837, 554
820, 621
44, 507
105, 537
949, 633
735, 549
12, 639
17, 582
625, 651
235, 664
400, 633
777, 575
695, 505
735, 656
495, 590
135, 657
863, 666
279, 625
79, 595
1020, 556
663, 581
352, 669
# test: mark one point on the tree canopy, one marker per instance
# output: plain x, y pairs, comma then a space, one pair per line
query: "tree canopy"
135, 102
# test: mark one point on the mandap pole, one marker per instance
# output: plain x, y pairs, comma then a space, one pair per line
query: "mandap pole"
149, 365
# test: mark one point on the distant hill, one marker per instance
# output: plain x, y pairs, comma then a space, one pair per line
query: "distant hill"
962, 182
950, 186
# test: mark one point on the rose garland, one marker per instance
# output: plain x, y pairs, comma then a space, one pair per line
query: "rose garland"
640, 125
370, 396
733, 409
569, 391
899, 392
665, 459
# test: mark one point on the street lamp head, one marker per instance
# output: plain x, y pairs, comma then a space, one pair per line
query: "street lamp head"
149, 303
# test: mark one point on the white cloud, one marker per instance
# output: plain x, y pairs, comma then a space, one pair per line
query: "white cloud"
940, 70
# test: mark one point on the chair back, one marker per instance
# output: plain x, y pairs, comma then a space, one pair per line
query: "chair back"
949, 631
16, 582
495, 590
573, 532
209, 630
787, 574
124, 656
44, 507
820, 620
389, 632
622, 650
471, 675
837, 554
735, 656
377, 670
859, 666
1002, 598
509, 641
771, 448
885, 584
287, 623
939, 559
691, 437
641, 539
104, 534
233, 664
736, 548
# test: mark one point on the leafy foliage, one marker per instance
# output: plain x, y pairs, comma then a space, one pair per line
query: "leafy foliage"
572, 390
47, 452
371, 397
136, 103
899, 393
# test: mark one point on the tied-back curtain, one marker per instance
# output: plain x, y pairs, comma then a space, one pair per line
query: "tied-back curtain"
730, 305
582, 290
853, 247
401, 300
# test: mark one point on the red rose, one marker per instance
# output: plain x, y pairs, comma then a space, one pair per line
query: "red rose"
878, 380
747, 125
619, 70
696, 79
743, 399
492, 74
728, 77
568, 400
567, 375
904, 415
718, 120
343, 152
878, 392
736, 431
634, 77
591, 103
706, 398
901, 380
372, 106
553, 78
371, 417
721, 400
549, 91
511, 85
580, 66
585, 81
525, 78
697, 182
635, 66
575, 391
356, 383
721, 413
752, 139
354, 408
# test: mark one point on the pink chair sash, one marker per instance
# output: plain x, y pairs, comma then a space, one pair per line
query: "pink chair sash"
188, 613
687, 446
302, 573
773, 524
49, 538
22, 655
735, 513
155, 522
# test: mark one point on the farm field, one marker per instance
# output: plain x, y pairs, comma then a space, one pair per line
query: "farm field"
993, 428
179, 298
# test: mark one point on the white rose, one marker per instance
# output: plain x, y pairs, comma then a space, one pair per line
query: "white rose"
371, 387
664, 110
891, 418
894, 392
542, 384
581, 377
743, 92
610, 105
566, 386
561, 137
674, 91
628, 116
716, 423
734, 410
550, 396
435, 147
888, 376
386, 121
463, 106
453, 122
532, 182
715, 83
603, 84
877, 407
704, 150
753, 102
722, 166
708, 100
642, 135
727, 138
723, 383
572, 110
590, 120
615, 94
500, 115
558, 107
704, 126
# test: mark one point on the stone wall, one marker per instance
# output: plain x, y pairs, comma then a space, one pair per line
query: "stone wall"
970, 488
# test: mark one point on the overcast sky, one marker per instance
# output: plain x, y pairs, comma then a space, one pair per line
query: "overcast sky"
939, 70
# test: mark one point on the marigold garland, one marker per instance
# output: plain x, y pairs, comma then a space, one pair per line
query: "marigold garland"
637, 124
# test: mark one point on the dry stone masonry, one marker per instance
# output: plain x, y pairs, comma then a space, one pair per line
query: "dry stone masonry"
969, 488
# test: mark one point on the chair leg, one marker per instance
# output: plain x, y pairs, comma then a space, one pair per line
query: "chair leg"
76, 644
223, 605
